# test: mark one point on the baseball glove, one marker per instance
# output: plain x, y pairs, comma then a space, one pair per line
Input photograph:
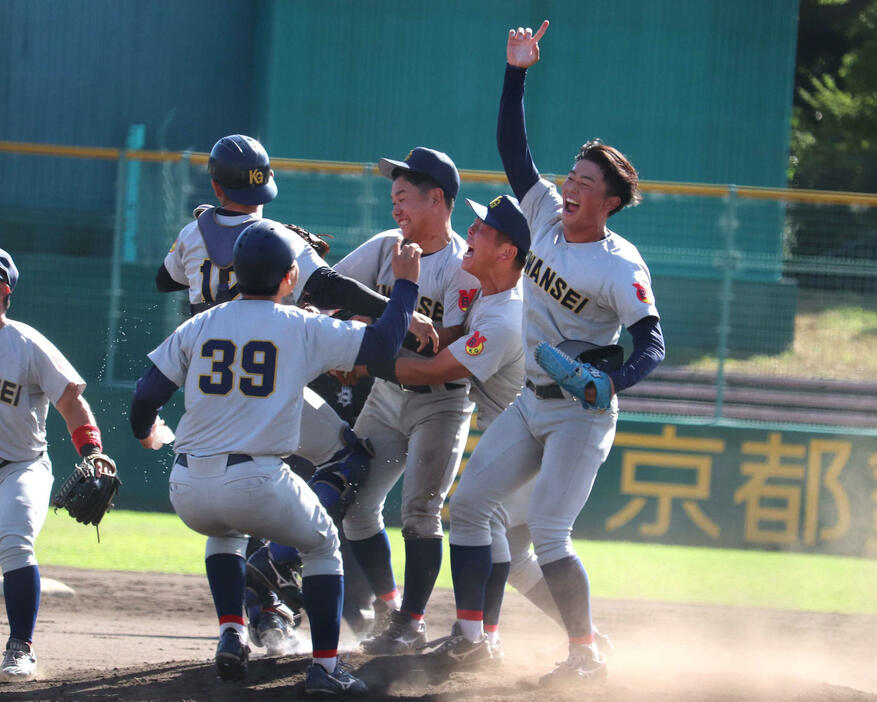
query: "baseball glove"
575, 377
89, 491
317, 242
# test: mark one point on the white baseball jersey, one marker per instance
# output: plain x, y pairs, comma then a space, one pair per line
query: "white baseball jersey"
32, 373
189, 263
492, 351
446, 290
244, 365
582, 291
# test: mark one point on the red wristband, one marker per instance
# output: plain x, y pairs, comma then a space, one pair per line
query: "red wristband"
84, 435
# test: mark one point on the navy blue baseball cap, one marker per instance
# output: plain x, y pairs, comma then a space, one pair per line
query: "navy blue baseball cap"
435, 164
8, 271
240, 165
504, 214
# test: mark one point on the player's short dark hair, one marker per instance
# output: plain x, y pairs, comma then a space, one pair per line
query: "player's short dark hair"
423, 183
618, 172
520, 256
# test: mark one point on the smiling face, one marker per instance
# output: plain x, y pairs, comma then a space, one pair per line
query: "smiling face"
586, 203
483, 248
413, 209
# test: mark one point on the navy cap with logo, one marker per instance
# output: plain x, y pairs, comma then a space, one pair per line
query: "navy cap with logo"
435, 164
8, 271
240, 165
504, 214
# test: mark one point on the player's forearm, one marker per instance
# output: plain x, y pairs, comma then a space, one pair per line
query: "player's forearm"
74, 408
511, 134
647, 354
153, 390
328, 289
383, 338
164, 282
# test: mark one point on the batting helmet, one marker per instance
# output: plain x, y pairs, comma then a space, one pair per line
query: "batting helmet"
262, 256
240, 165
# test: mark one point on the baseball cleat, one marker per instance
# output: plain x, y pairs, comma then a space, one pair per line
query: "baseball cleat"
455, 652
496, 654
401, 635
275, 630
583, 664
231, 656
19, 662
321, 683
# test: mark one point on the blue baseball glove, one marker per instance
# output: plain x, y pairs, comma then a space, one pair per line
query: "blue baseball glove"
575, 377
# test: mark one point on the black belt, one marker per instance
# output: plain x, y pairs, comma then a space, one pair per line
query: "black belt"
545, 392
233, 459
429, 388
4, 463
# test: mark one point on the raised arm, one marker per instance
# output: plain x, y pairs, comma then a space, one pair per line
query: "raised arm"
522, 51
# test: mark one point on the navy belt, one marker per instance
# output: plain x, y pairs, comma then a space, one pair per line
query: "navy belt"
4, 462
233, 459
429, 388
545, 392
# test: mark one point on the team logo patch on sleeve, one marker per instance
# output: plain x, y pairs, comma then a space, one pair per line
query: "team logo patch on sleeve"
475, 344
643, 294
465, 298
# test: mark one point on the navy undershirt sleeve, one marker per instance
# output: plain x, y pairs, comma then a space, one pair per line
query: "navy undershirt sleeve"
328, 289
383, 337
648, 352
152, 391
511, 134
164, 282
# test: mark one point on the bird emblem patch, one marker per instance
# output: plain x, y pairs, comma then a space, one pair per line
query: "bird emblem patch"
475, 344
643, 294
465, 298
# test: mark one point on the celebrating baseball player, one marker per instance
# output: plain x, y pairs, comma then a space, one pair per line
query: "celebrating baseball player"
33, 373
582, 282
201, 262
243, 364
418, 429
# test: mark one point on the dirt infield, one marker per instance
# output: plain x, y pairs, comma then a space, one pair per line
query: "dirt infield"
136, 636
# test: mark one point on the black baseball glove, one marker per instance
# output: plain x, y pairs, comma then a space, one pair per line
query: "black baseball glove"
317, 242
89, 491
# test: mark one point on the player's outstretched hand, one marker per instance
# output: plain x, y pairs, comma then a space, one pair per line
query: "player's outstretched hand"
522, 49
406, 261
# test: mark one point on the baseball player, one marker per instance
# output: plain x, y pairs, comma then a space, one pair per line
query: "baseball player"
416, 429
229, 480
32, 373
582, 282
200, 261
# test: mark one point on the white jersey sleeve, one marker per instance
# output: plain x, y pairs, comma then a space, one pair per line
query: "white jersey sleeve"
366, 262
33, 372
542, 205
308, 261
173, 261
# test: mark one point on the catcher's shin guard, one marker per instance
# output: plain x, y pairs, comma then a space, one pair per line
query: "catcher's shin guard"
337, 480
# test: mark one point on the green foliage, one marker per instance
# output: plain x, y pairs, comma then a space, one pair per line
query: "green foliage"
143, 541
833, 142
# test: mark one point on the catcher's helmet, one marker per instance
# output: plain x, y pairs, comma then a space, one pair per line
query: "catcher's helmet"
262, 256
240, 165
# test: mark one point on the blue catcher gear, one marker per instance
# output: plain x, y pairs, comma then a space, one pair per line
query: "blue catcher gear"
240, 165
262, 256
337, 480
575, 377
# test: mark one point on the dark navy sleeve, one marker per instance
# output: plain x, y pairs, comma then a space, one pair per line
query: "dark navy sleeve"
511, 134
648, 352
164, 282
152, 391
383, 338
329, 289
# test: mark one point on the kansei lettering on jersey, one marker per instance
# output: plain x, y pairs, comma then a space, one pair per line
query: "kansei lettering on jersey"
553, 284
10, 392
433, 309
475, 344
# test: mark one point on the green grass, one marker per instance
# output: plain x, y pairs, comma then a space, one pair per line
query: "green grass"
141, 541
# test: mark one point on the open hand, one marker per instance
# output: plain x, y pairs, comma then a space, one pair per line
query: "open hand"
522, 49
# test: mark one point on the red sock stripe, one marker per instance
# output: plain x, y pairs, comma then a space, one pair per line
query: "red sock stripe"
390, 595
586, 640
471, 615
415, 617
231, 619
328, 653
491, 627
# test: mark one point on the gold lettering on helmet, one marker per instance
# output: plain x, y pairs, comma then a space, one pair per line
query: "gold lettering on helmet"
256, 176
496, 201
409, 155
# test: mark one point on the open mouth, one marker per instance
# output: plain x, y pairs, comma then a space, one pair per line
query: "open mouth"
570, 206
469, 252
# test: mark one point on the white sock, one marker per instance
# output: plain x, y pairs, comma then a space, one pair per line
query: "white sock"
472, 629
493, 637
327, 663
240, 628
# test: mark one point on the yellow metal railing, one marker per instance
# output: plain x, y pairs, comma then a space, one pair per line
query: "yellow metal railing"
825, 197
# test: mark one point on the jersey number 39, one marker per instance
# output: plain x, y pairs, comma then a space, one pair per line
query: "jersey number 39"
258, 366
